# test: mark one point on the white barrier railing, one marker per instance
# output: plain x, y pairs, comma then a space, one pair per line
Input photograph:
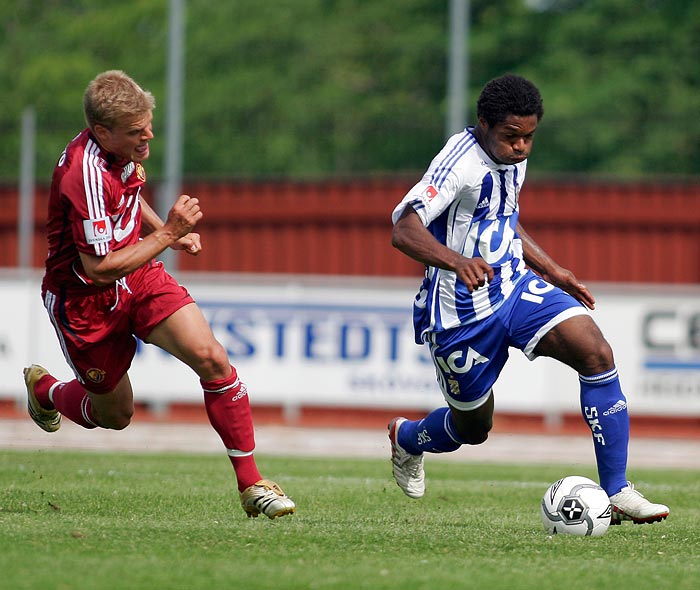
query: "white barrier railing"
348, 342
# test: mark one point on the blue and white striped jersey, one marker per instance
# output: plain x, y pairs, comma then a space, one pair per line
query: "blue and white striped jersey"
470, 204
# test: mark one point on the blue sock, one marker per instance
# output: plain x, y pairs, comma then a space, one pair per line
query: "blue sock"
604, 408
433, 434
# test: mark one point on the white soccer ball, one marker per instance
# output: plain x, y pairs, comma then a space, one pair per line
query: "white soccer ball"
576, 505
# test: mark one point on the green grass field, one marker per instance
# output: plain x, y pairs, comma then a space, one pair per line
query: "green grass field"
72, 520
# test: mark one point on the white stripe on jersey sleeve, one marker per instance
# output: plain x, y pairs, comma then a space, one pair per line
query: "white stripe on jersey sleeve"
94, 189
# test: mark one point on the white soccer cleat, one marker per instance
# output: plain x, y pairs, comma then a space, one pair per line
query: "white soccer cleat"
266, 497
629, 504
408, 469
48, 420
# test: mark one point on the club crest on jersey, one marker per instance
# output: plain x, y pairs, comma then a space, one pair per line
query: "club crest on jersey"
98, 231
95, 375
454, 387
430, 192
140, 172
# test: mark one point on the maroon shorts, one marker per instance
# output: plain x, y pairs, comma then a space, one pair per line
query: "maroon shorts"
97, 330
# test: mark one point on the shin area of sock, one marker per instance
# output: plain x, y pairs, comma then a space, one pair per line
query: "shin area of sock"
228, 409
72, 401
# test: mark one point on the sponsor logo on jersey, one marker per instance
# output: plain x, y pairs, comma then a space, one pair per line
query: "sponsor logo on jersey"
459, 362
98, 231
95, 375
617, 407
126, 172
483, 203
430, 193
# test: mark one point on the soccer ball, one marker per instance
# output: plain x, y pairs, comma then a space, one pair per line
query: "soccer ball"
576, 505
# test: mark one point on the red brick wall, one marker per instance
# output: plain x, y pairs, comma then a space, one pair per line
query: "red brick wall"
620, 232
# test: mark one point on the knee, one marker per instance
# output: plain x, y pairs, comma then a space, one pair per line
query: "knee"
116, 420
475, 433
212, 361
120, 424
475, 437
598, 359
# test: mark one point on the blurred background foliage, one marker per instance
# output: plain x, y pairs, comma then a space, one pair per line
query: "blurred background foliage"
318, 88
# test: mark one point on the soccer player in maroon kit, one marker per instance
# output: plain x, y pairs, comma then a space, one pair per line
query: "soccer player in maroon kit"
103, 286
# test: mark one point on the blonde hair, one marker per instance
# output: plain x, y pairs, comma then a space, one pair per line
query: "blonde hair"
113, 97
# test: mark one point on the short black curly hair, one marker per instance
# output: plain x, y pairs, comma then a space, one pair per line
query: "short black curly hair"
508, 95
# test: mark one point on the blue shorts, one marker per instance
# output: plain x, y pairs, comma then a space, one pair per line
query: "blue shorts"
468, 359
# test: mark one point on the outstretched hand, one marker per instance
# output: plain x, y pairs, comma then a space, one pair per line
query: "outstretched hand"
565, 280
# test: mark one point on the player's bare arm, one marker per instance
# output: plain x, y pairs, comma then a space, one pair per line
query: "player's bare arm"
413, 239
151, 221
543, 264
104, 270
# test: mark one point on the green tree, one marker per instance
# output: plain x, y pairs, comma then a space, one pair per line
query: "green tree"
617, 76
309, 88
51, 50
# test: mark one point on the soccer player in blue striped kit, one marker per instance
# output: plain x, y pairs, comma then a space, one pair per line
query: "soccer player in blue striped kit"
480, 297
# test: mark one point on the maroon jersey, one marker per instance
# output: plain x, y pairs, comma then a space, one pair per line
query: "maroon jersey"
93, 208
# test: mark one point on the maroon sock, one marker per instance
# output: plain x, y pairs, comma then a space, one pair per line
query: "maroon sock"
226, 401
72, 401
41, 391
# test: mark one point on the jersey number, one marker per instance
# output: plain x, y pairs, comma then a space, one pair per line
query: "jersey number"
535, 289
